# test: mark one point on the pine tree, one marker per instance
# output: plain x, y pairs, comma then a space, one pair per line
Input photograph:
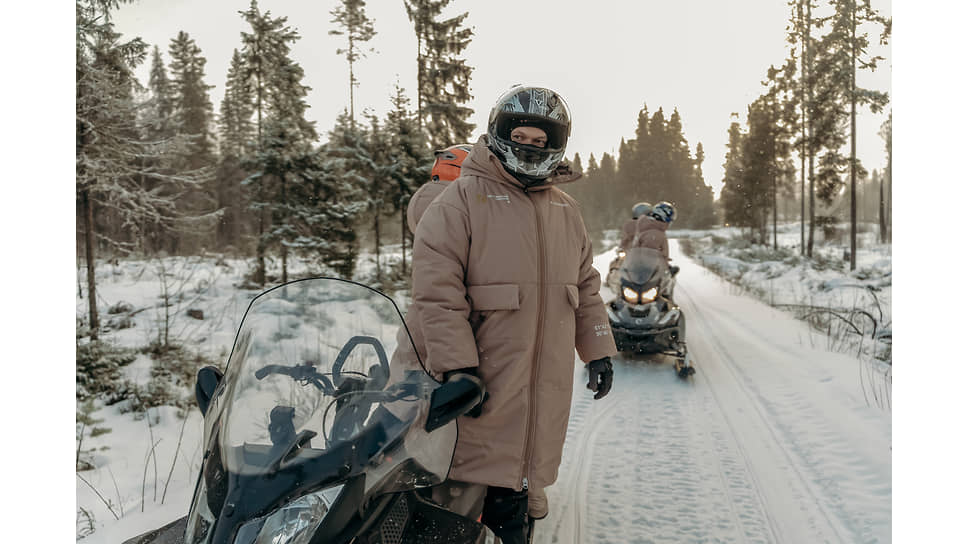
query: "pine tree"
846, 51
358, 29
884, 206
800, 34
113, 162
576, 164
236, 133
193, 119
409, 158
704, 213
192, 112
731, 198
267, 67
443, 77
160, 108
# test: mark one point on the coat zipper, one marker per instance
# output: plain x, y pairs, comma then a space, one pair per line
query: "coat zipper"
529, 442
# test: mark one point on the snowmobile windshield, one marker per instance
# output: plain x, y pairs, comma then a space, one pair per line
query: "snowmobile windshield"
643, 267
324, 380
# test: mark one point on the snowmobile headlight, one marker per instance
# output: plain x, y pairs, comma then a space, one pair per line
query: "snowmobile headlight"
631, 295
294, 523
649, 295
621, 253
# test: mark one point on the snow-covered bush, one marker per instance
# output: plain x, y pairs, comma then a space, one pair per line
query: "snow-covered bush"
98, 366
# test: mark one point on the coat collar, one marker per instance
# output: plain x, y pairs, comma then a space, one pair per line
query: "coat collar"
483, 162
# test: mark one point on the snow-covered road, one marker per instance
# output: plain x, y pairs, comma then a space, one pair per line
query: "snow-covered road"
772, 440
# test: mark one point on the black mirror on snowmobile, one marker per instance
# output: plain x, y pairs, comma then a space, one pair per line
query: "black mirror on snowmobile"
454, 398
205, 385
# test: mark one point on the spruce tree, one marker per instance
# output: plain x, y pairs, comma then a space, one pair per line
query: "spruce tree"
192, 113
731, 198
236, 132
158, 117
266, 67
884, 215
193, 119
351, 17
113, 162
409, 159
443, 77
846, 51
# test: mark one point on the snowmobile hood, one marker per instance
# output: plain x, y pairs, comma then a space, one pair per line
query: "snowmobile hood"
643, 267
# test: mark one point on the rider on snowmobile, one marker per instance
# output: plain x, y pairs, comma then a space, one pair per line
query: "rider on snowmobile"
650, 229
628, 229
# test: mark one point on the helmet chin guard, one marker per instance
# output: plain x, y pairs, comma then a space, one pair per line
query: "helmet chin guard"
535, 107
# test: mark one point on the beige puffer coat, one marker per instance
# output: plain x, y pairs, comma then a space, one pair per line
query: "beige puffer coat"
628, 234
503, 281
651, 233
421, 199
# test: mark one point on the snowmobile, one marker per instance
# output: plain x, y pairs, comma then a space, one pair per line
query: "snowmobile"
643, 316
310, 436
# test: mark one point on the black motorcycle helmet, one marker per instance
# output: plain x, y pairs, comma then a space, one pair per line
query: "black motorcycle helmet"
640, 209
529, 106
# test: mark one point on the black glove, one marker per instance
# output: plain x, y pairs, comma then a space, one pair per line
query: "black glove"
474, 412
600, 376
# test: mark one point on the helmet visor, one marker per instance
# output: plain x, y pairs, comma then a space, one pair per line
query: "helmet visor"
557, 133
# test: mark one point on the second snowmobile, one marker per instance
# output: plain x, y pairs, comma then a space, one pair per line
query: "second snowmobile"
643, 316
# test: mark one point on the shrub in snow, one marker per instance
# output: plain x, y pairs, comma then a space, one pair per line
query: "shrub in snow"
98, 366
121, 307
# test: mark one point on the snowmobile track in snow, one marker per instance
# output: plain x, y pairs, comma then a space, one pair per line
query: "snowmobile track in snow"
785, 484
766, 443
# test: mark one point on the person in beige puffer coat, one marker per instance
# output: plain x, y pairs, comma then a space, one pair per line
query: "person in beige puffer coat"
446, 168
505, 290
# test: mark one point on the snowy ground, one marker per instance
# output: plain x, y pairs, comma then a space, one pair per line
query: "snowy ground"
772, 440
775, 439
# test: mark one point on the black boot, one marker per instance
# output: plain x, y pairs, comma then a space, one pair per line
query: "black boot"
506, 514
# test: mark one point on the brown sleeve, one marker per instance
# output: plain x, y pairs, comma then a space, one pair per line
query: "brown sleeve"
628, 234
593, 334
420, 201
440, 249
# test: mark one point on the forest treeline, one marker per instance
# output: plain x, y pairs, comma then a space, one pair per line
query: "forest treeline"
807, 114
159, 171
656, 165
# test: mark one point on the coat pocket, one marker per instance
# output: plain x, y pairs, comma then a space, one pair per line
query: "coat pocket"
485, 298
572, 295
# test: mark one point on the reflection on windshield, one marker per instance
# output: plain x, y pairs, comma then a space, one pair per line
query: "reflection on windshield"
309, 371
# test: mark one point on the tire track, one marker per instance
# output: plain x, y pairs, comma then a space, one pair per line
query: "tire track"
567, 496
823, 524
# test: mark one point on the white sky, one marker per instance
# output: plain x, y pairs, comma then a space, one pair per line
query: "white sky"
607, 59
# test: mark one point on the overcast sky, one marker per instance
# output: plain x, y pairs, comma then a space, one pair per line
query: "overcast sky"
607, 58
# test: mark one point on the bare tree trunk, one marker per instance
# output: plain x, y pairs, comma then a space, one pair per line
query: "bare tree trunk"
803, 137
853, 139
881, 216
88, 211
889, 212
810, 150
376, 230
403, 234
352, 82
